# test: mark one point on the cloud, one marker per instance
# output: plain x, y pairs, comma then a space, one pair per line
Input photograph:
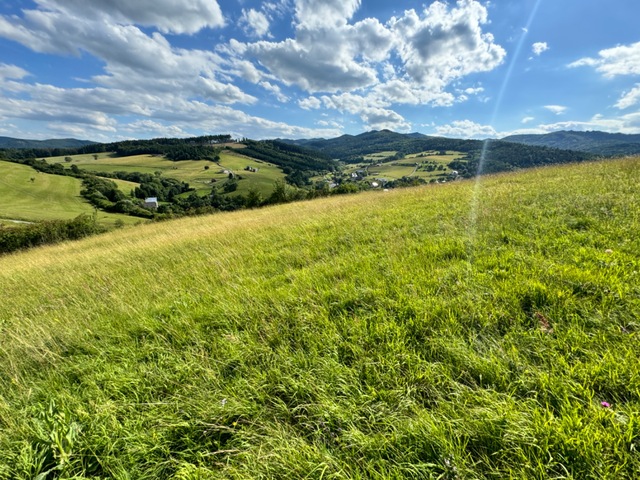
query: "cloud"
539, 47
557, 109
275, 91
351, 61
312, 14
330, 59
381, 119
630, 98
310, 103
446, 43
362, 66
466, 129
616, 61
134, 60
528, 119
254, 23
317, 63
169, 16
11, 72
328, 54
629, 124
151, 128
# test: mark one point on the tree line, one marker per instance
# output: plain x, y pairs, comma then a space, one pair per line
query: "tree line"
48, 232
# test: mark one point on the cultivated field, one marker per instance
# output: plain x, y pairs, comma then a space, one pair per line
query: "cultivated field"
468, 330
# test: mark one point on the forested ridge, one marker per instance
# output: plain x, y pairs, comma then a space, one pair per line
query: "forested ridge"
496, 155
600, 143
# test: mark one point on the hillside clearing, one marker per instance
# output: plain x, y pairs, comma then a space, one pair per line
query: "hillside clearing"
32, 196
199, 174
453, 331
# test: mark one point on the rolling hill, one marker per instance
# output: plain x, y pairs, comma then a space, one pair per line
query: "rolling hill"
599, 143
31, 196
491, 156
478, 329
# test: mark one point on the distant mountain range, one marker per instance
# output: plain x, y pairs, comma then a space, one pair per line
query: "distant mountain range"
479, 156
599, 143
9, 142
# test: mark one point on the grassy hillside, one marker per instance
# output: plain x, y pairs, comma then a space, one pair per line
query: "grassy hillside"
191, 171
47, 197
450, 331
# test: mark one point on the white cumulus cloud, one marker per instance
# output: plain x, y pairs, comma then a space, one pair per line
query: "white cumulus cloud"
255, 23
446, 43
313, 14
630, 98
466, 129
539, 48
612, 62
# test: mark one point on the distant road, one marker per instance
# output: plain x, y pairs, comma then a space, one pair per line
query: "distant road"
14, 221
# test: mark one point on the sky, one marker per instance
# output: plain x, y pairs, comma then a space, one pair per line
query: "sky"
108, 70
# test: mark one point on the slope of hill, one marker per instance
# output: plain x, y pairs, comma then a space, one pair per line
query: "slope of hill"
600, 143
19, 143
28, 195
468, 330
496, 155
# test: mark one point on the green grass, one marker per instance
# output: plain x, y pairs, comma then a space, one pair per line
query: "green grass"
261, 181
380, 155
191, 171
47, 197
447, 331
395, 169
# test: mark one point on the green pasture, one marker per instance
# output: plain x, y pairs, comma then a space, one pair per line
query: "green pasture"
47, 197
392, 170
406, 167
380, 155
191, 171
123, 185
433, 156
261, 181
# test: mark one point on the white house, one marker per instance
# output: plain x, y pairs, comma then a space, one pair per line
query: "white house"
151, 202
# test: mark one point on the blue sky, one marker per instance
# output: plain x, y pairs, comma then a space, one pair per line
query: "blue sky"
114, 69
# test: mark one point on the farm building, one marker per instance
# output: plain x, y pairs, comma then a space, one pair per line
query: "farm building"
151, 202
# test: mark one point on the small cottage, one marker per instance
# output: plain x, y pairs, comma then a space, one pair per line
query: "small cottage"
151, 202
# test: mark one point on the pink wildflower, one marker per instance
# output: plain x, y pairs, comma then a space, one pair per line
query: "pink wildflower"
605, 404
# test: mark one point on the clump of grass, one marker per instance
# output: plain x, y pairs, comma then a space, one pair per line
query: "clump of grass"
383, 335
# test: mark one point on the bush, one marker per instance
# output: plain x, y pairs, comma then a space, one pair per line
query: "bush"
55, 231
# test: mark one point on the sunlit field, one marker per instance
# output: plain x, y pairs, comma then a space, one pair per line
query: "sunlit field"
199, 174
32, 196
447, 331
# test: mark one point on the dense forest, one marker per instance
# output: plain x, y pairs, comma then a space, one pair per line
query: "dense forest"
193, 148
599, 143
288, 155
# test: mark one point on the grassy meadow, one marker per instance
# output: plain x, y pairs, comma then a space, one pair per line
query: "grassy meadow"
47, 197
414, 165
459, 331
191, 171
